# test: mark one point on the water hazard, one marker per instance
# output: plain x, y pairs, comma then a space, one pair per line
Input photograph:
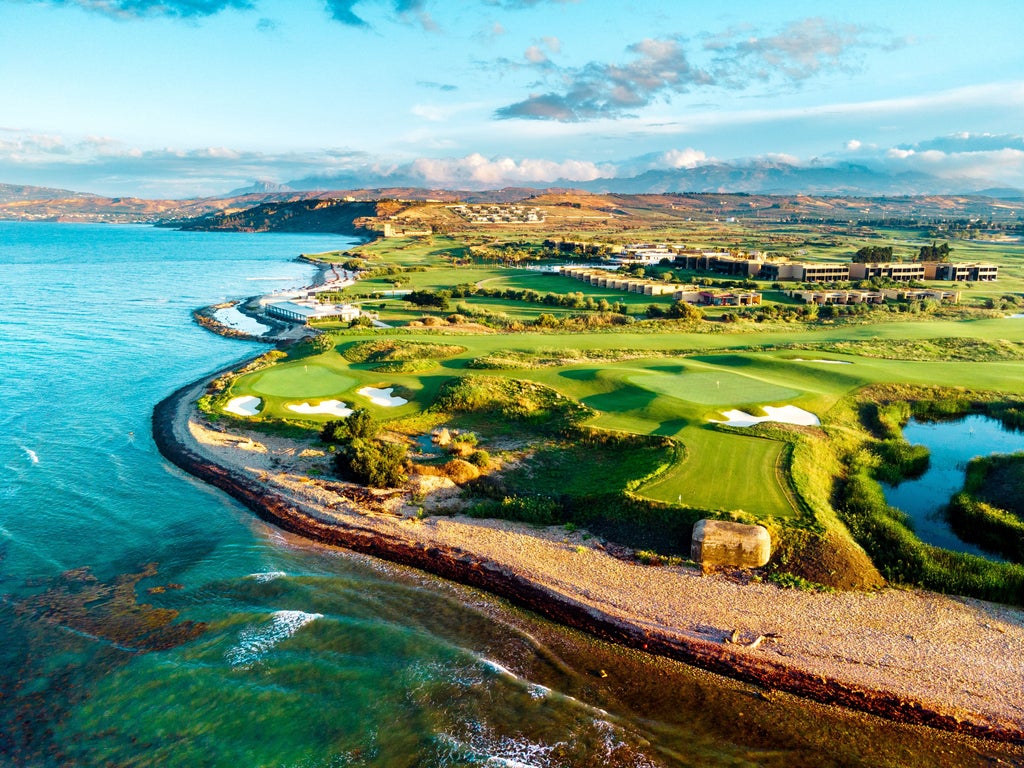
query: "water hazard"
952, 444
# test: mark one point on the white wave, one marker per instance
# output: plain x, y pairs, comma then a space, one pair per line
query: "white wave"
614, 747
267, 576
490, 749
32, 455
254, 642
495, 666
538, 691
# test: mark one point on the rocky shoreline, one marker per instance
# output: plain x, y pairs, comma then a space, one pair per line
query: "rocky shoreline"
735, 655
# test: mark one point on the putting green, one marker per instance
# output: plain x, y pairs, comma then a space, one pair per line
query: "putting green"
725, 471
714, 387
297, 380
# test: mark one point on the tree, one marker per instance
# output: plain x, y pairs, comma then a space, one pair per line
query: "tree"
682, 310
359, 425
934, 252
873, 254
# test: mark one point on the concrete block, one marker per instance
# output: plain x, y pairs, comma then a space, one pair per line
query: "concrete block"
721, 543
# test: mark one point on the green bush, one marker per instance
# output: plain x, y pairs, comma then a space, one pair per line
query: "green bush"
372, 462
900, 460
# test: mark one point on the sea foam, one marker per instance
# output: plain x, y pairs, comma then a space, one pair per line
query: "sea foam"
254, 642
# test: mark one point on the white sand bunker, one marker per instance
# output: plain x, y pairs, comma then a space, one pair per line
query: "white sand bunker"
382, 396
818, 360
330, 407
786, 414
246, 405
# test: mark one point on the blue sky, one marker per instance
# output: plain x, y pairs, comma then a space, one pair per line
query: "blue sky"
196, 97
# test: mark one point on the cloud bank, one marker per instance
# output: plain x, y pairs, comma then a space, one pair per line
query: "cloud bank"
659, 68
104, 165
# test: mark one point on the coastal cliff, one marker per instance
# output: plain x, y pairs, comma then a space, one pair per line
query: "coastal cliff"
333, 216
803, 668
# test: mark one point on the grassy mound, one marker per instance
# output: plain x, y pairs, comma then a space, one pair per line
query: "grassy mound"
397, 350
405, 366
999, 480
989, 511
522, 402
969, 350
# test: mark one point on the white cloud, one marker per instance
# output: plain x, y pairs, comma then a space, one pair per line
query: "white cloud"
476, 169
683, 158
535, 55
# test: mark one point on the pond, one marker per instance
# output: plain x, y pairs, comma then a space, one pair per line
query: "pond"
952, 445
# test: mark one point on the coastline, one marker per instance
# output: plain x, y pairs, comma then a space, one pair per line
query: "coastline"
909, 656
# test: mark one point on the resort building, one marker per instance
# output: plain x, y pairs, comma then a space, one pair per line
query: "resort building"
962, 272
306, 310
730, 299
720, 262
805, 272
920, 294
901, 271
839, 297
499, 214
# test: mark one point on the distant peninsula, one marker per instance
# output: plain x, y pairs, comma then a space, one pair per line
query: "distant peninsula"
332, 216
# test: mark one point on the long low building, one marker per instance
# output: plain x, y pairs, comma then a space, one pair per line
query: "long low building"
961, 272
719, 298
876, 297
839, 297
305, 311
902, 271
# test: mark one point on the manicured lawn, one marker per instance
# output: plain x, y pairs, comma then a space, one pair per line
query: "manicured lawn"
298, 380
671, 396
728, 472
715, 388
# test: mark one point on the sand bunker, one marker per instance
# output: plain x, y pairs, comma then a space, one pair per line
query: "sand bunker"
831, 362
382, 396
330, 407
246, 405
786, 414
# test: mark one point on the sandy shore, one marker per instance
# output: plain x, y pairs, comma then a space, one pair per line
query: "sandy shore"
909, 655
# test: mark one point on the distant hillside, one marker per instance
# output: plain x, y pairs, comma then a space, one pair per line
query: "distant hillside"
75, 206
336, 216
751, 177
10, 193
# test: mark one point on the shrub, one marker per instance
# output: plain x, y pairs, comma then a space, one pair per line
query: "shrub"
479, 458
900, 460
372, 462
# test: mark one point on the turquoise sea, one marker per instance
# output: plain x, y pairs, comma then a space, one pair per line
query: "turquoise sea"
148, 620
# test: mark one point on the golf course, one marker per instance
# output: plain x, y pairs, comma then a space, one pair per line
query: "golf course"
596, 408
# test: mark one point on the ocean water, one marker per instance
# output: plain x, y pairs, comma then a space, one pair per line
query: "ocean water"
148, 620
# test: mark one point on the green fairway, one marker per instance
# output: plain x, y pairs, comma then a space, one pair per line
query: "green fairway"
715, 388
297, 380
727, 472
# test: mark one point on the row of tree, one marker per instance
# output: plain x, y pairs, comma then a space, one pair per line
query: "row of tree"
873, 254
